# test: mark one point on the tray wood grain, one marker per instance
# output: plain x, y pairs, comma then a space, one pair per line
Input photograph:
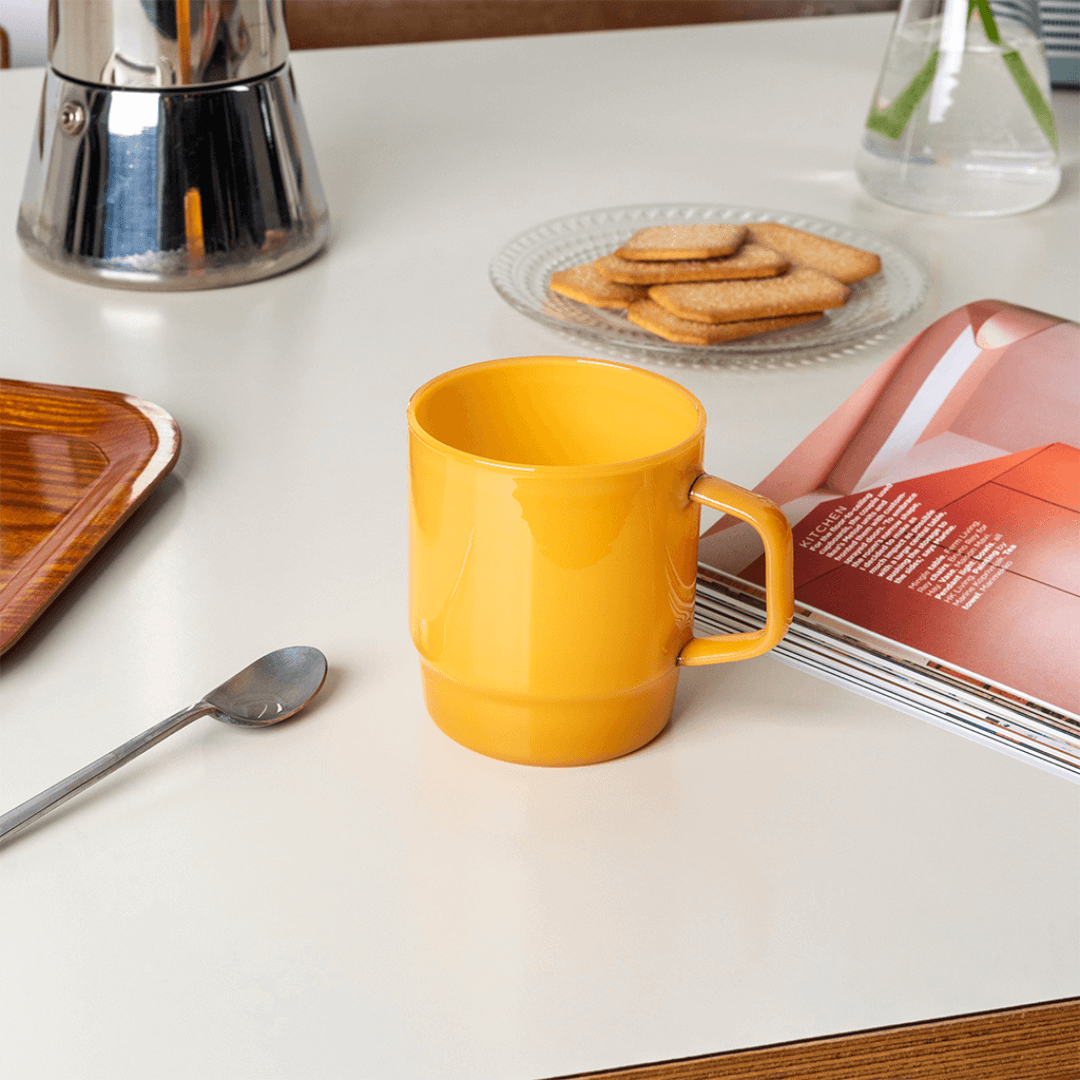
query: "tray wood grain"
1032, 1042
74, 464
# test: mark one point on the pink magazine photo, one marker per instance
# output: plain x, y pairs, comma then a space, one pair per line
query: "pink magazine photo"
936, 516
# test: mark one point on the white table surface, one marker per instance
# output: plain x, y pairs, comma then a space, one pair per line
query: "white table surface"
354, 895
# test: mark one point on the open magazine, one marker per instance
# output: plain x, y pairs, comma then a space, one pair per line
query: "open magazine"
936, 516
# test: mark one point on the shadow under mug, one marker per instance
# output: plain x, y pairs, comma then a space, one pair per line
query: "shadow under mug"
554, 521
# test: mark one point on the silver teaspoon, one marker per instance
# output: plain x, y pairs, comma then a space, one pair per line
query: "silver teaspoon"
271, 689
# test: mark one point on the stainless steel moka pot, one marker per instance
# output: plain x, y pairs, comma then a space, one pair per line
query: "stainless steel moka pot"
170, 150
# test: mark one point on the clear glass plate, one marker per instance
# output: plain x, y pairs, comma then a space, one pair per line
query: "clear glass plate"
520, 273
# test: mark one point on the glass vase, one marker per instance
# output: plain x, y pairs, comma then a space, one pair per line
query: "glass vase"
961, 122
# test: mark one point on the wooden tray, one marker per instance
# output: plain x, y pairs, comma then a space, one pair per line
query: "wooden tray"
73, 465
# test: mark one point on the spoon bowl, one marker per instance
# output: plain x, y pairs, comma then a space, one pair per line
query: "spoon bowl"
273, 688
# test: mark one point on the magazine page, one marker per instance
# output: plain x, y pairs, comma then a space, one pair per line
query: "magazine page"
939, 506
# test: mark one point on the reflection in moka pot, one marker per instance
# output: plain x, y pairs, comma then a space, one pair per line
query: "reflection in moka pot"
170, 149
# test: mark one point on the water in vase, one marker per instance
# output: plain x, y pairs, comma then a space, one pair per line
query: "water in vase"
961, 124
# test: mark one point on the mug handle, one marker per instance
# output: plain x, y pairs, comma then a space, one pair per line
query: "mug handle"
772, 525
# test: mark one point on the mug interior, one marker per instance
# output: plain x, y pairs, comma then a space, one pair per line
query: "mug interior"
557, 411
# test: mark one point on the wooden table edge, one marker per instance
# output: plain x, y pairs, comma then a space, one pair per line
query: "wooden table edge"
1040, 1041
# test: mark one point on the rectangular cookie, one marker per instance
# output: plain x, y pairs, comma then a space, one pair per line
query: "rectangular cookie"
588, 286
750, 261
650, 316
800, 291
843, 262
667, 242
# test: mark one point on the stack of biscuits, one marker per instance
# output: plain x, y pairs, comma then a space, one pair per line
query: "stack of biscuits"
704, 284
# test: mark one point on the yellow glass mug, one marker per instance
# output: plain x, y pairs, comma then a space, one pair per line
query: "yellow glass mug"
554, 524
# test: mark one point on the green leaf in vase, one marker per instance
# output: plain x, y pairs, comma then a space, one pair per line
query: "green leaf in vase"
891, 122
1032, 95
1025, 83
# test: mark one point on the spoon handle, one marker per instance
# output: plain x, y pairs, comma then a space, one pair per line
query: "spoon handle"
33, 808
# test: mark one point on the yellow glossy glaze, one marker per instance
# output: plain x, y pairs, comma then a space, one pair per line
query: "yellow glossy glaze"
553, 553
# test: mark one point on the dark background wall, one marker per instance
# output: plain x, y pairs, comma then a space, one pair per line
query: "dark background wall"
316, 24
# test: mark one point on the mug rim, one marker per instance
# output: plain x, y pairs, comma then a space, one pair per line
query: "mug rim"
627, 465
